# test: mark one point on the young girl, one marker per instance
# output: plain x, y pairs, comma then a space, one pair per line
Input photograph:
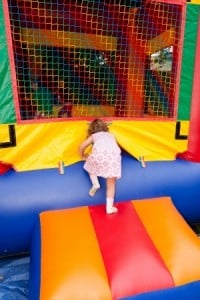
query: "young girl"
104, 160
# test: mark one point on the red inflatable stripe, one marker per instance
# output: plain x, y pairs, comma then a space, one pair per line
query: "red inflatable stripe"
132, 262
5, 167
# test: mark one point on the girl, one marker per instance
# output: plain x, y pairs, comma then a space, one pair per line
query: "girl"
104, 160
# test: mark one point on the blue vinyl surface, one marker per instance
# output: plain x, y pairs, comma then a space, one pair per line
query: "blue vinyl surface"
24, 195
40, 190
190, 291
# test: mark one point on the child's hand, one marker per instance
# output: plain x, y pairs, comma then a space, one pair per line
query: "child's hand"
85, 156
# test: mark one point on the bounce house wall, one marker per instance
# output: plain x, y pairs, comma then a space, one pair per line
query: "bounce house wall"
7, 109
189, 52
133, 44
104, 45
194, 139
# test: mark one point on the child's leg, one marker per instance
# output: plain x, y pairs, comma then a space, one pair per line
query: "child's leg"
110, 194
95, 184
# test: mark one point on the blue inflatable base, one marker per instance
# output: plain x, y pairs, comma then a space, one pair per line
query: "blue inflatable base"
190, 291
24, 195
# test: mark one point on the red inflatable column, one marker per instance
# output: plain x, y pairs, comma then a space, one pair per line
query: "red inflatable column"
193, 152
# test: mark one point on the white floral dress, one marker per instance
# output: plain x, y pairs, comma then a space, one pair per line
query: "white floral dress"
105, 158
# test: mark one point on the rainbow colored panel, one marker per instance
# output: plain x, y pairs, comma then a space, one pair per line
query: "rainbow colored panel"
86, 254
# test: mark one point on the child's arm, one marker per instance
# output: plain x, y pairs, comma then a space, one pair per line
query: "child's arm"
83, 147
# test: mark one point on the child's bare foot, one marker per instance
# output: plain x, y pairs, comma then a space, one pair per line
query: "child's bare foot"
111, 210
93, 190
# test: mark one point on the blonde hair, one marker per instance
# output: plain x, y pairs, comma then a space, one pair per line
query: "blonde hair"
97, 125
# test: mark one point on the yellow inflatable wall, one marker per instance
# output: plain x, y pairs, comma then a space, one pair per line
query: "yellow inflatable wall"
40, 146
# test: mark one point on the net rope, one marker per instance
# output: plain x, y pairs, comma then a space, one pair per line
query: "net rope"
84, 59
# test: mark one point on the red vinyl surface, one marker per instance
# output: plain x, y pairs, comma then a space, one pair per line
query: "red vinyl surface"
131, 260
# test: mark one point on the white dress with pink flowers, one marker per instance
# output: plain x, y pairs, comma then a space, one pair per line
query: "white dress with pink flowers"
105, 158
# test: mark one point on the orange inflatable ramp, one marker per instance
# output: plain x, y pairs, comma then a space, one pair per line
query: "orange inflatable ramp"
86, 254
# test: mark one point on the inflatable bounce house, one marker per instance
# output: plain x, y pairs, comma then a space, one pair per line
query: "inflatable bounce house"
135, 64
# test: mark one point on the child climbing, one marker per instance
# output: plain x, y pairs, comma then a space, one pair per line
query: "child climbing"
103, 161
